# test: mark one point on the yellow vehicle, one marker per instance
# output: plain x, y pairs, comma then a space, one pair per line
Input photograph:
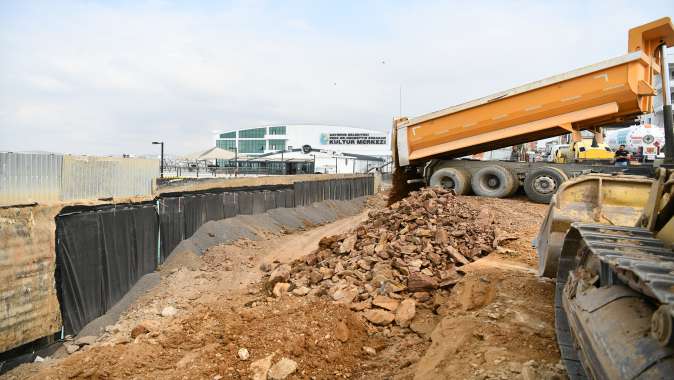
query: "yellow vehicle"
583, 151
611, 92
607, 239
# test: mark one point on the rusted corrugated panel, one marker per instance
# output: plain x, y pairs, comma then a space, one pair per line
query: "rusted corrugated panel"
29, 308
29, 177
103, 177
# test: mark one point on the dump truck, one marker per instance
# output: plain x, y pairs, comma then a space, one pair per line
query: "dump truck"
428, 148
607, 238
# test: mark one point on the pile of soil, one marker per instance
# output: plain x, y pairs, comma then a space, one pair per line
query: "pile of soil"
324, 339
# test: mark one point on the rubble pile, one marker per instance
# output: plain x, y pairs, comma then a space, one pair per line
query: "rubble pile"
398, 257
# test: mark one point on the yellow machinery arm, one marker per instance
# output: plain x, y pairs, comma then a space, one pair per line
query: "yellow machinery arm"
608, 92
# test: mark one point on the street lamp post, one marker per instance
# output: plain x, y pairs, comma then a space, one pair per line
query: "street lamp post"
161, 163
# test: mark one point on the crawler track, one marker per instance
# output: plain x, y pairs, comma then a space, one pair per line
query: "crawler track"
632, 262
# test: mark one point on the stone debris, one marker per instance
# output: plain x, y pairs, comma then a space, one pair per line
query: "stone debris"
243, 354
260, 367
282, 369
280, 274
405, 312
280, 288
385, 303
379, 317
407, 251
301, 291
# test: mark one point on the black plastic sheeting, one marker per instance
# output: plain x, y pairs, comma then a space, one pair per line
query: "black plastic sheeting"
308, 192
99, 256
181, 215
103, 250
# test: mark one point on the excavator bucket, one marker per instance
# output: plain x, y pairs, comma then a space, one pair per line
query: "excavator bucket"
615, 200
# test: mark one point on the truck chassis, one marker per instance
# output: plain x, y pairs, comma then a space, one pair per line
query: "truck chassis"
540, 180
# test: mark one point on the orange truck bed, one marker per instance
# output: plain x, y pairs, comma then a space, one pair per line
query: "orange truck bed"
607, 92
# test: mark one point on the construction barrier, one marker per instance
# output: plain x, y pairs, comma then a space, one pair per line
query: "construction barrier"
102, 251
308, 192
100, 256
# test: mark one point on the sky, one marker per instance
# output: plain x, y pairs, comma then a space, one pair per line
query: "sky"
110, 77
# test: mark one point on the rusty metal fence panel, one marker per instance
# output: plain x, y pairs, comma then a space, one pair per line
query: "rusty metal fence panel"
104, 177
29, 177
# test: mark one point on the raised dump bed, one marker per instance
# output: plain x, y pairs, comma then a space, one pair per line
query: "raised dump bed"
609, 92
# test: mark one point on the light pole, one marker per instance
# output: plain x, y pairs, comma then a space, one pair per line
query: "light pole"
161, 164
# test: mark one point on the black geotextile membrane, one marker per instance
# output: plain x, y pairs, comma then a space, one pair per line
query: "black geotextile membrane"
99, 256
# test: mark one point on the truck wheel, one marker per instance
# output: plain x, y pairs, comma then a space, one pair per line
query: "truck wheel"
541, 184
452, 178
494, 181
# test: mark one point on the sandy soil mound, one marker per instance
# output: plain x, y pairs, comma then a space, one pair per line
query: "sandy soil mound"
324, 340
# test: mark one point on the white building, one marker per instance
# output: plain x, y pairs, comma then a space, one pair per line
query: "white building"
269, 139
327, 162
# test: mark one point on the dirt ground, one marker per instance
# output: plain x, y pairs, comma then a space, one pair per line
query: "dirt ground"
496, 323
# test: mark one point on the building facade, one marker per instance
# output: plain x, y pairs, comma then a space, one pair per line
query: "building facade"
269, 139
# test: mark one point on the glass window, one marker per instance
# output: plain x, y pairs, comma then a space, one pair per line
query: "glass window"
277, 130
226, 144
251, 146
277, 144
228, 135
255, 133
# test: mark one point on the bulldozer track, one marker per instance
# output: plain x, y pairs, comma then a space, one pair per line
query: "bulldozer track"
629, 256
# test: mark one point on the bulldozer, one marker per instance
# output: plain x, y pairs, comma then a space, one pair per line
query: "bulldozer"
607, 238
608, 241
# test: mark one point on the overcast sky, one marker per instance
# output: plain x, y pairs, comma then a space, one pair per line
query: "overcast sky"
109, 77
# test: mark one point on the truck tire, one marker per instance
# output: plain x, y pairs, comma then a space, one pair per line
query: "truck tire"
541, 184
452, 178
494, 181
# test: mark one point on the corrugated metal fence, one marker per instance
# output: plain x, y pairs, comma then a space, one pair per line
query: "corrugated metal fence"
44, 178
101, 177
